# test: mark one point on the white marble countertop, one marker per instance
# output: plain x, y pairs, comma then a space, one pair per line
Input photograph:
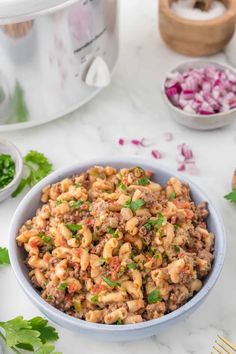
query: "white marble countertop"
132, 107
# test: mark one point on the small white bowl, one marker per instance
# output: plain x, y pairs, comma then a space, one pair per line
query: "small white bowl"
199, 121
8, 148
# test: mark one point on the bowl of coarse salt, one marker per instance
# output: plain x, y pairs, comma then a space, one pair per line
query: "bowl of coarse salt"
201, 94
197, 27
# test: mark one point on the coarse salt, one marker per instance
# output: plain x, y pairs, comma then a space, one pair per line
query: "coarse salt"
184, 9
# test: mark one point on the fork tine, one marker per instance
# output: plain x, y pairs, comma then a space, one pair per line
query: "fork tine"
223, 347
218, 351
231, 345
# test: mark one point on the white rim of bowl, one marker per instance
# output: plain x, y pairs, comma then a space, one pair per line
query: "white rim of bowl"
188, 63
20, 162
72, 321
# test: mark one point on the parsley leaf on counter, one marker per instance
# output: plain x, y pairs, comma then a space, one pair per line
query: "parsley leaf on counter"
33, 335
231, 196
4, 256
37, 166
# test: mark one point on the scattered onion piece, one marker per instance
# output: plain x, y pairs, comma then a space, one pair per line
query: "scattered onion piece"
156, 154
168, 136
121, 141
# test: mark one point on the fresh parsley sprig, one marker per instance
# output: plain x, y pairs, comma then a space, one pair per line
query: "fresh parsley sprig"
231, 196
4, 256
37, 166
29, 335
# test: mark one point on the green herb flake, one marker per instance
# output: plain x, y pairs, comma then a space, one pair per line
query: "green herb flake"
176, 226
231, 196
78, 185
154, 296
172, 196
119, 322
76, 204
62, 286
37, 166
7, 170
58, 202
111, 283
132, 266
4, 256
143, 181
74, 228
156, 256
176, 248
94, 298
50, 297
122, 186
155, 223
103, 261
45, 238
113, 232
134, 205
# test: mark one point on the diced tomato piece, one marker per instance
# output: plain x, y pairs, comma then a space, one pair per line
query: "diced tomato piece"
97, 288
72, 288
33, 243
114, 263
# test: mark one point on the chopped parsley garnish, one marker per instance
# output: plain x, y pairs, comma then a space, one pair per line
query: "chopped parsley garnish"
94, 298
176, 248
76, 204
7, 170
37, 166
45, 238
62, 286
172, 196
78, 185
156, 256
132, 266
231, 196
111, 283
134, 205
50, 297
176, 226
58, 202
113, 232
143, 181
154, 223
102, 261
119, 322
154, 296
4, 256
74, 228
122, 186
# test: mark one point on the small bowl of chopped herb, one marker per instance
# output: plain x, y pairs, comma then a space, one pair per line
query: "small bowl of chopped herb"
11, 168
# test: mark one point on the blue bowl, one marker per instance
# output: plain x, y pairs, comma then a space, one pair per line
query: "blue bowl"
27, 209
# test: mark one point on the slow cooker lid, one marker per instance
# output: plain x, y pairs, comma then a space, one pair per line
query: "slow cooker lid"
20, 8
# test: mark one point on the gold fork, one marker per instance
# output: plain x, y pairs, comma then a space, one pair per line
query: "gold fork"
223, 346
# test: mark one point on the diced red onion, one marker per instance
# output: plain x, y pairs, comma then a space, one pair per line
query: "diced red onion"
121, 141
168, 136
204, 91
136, 142
156, 154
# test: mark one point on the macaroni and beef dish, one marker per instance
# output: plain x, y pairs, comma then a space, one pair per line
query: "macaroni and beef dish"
111, 246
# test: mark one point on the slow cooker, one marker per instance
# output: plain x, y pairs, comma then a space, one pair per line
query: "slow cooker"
55, 55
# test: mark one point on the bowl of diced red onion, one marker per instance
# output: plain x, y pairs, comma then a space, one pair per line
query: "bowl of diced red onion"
201, 94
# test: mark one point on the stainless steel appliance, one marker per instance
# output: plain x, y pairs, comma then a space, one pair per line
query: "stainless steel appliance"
55, 55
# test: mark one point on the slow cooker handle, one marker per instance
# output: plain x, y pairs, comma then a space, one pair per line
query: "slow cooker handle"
98, 73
